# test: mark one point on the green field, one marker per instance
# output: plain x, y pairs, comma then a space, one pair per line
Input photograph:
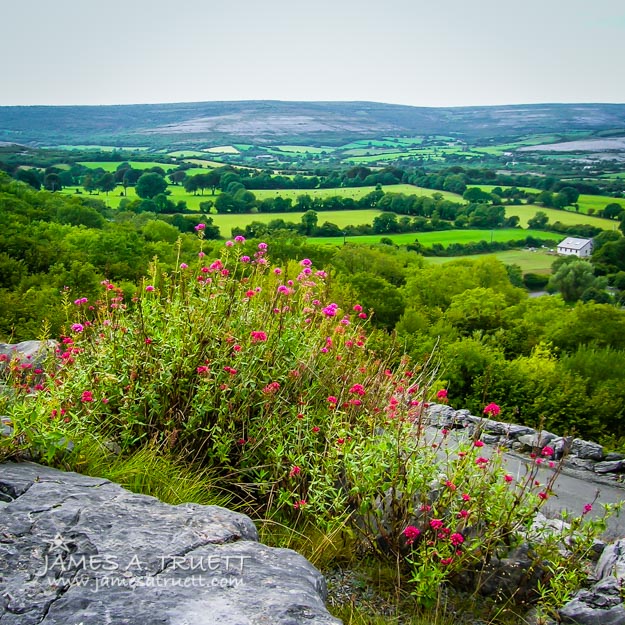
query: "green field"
598, 202
300, 149
527, 211
100, 148
113, 165
340, 218
186, 153
444, 237
538, 261
223, 149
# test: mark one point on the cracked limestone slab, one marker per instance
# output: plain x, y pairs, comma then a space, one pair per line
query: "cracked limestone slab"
75, 549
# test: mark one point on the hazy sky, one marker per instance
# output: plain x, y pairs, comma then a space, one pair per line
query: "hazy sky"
418, 52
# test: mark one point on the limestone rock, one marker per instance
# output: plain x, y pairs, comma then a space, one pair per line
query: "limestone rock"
600, 605
609, 466
75, 549
586, 449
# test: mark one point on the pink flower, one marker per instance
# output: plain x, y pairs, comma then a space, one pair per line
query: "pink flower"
547, 451
358, 308
450, 485
478, 443
203, 369
229, 243
315, 429
305, 262
87, 396
357, 389
411, 533
492, 409
587, 508
262, 247
277, 271
295, 471
258, 337
508, 478
201, 254
330, 310
481, 461
332, 400
456, 539
463, 514
299, 504
543, 496
436, 524
239, 239
362, 315
200, 227
149, 288
442, 394
77, 327
446, 561
272, 387
183, 265
245, 259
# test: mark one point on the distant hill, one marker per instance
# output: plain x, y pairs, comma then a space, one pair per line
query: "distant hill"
307, 122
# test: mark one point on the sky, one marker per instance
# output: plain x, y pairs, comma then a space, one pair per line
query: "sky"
414, 52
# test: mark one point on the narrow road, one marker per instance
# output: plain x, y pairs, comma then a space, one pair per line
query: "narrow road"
574, 489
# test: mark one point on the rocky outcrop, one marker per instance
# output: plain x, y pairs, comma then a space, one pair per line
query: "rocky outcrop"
577, 453
602, 603
75, 549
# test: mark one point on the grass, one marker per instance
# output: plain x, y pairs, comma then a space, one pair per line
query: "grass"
101, 148
301, 149
113, 165
223, 149
530, 262
526, 211
185, 153
598, 202
340, 218
444, 237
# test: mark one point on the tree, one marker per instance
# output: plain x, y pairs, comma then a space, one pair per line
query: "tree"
52, 182
178, 176
572, 279
309, 222
150, 185
106, 183
538, 221
385, 223
613, 211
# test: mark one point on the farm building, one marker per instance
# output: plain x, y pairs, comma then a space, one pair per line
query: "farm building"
575, 247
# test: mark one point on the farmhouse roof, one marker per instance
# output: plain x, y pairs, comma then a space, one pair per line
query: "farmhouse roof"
574, 244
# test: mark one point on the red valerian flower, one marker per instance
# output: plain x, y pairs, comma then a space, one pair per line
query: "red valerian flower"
442, 394
411, 533
492, 409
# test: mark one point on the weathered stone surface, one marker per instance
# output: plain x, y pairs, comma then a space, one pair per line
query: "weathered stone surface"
27, 351
613, 455
75, 549
609, 466
537, 440
600, 605
5, 426
573, 462
586, 449
612, 561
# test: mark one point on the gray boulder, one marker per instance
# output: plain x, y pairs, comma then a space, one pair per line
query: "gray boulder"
27, 351
586, 449
75, 549
600, 605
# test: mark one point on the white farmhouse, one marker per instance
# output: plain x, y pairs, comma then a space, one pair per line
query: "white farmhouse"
575, 247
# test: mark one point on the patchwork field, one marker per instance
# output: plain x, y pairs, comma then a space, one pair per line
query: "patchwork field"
444, 237
537, 261
113, 165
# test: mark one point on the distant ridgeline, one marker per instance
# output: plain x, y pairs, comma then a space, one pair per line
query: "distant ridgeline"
286, 121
